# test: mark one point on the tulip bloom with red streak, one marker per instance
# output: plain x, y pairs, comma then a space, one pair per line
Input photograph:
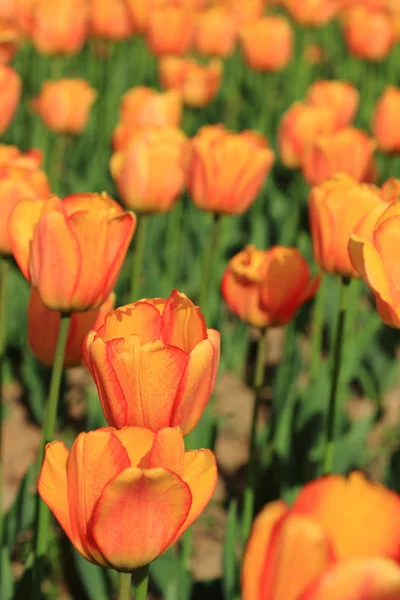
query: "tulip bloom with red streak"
20, 177
266, 288
377, 261
385, 121
110, 19
124, 497
299, 125
321, 548
197, 84
150, 172
267, 43
163, 359
369, 33
71, 250
170, 30
341, 97
10, 94
338, 207
312, 12
227, 170
59, 26
44, 324
216, 32
348, 150
64, 105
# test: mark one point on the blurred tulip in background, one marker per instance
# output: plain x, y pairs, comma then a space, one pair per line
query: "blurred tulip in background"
197, 84
267, 43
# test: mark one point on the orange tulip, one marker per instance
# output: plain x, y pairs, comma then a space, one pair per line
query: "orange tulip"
110, 19
10, 93
64, 105
20, 177
59, 26
321, 544
245, 11
299, 125
154, 363
124, 497
267, 43
198, 84
9, 41
227, 170
376, 261
266, 288
170, 30
348, 150
338, 207
390, 190
385, 121
71, 250
216, 32
43, 326
312, 12
150, 171
24, 16
341, 97
369, 33
8, 10
314, 54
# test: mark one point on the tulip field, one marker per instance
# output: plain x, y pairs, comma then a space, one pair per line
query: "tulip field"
199, 300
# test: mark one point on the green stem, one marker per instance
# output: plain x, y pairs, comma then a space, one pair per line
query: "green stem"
186, 548
43, 515
328, 458
57, 163
3, 299
141, 579
317, 331
173, 243
249, 494
208, 260
137, 264
124, 586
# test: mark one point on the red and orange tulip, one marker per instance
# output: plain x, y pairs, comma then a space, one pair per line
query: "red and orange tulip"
64, 105
369, 32
197, 84
164, 359
216, 32
71, 250
227, 170
376, 261
320, 549
341, 97
10, 93
110, 19
338, 207
20, 177
267, 43
170, 30
44, 325
266, 288
124, 497
59, 26
150, 171
385, 122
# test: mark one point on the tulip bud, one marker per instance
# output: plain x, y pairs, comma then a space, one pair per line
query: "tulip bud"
71, 250
64, 105
266, 288
124, 497
348, 150
197, 84
170, 30
341, 97
267, 43
164, 359
299, 125
10, 93
150, 171
369, 33
110, 19
337, 207
385, 121
227, 170
312, 12
59, 26
216, 32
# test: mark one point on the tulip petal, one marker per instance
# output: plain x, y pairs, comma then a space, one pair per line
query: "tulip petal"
366, 260
200, 473
299, 551
138, 515
137, 441
243, 298
140, 318
119, 235
373, 579
386, 241
197, 383
167, 452
183, 325
95, 459
344, 507
21, 225
257, 546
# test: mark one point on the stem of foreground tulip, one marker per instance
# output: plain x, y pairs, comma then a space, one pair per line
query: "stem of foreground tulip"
43, 514
249, 493
208, 259
141, 580
124, 586
317, 331
3, 297
328, 459
138, 253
